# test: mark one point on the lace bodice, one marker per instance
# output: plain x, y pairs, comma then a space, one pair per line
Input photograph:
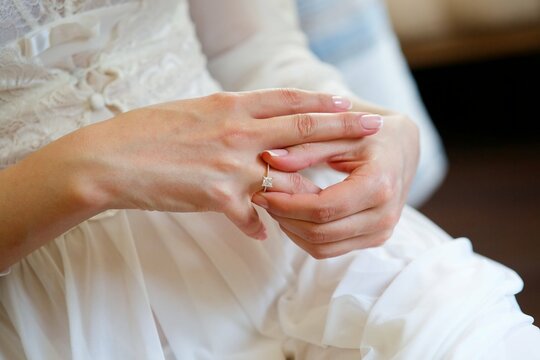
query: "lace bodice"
65, 64
19, 17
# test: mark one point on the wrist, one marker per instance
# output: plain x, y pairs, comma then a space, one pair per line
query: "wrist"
88, 183
42, 197
48, 193
69, 168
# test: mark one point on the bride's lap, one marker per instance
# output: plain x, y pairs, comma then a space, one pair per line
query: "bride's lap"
421, 295
381, 300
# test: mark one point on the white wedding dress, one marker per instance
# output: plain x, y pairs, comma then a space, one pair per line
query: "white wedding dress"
149, 285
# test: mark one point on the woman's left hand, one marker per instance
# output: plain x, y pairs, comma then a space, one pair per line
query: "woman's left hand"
357, 213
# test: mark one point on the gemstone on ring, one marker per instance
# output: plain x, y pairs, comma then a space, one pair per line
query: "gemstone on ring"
267, 180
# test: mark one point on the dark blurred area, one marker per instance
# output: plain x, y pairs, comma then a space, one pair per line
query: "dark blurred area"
477, 66
487, 112
484, 103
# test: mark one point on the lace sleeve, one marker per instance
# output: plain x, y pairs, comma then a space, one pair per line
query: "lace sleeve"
253, 44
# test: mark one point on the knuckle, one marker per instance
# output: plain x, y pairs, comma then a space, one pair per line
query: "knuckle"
394, 219
306, 152
348, 123
379, 239
385, 191
291, 97
387, 222
319, 253
226, 100
248, 221
322, 252
324, 214
316, 235
304, 148
382, 238
229, 165
305, 125
297, 182
221, 196
233, 135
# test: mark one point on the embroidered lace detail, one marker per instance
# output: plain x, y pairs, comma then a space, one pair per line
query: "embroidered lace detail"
66, 64
18, 17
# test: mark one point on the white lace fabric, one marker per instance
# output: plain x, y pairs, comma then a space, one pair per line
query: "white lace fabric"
141, 285
18, 17
67, 64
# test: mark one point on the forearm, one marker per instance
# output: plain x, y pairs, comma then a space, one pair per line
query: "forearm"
42, 197
156, 158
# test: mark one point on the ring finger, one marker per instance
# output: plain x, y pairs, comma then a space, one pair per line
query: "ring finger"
291, 183
329, 250
284, 182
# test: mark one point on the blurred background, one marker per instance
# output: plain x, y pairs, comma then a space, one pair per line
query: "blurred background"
477, 66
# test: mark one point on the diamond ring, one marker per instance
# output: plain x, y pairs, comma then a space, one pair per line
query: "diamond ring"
267, 180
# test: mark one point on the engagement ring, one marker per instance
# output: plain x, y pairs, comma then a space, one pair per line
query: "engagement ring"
267, 180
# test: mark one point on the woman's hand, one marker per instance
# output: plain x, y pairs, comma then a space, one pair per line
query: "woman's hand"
203, 154
190, 155
357, 213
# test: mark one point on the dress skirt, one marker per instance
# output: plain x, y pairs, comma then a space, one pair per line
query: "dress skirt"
150, 285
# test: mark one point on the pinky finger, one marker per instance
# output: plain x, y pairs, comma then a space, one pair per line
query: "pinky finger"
330, 250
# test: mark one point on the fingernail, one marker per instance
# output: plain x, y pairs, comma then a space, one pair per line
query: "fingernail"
260, 200
342, 102
261, 235
371, 121
277, 152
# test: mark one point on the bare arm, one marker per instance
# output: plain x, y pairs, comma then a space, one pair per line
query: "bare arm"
43, 196
155, 158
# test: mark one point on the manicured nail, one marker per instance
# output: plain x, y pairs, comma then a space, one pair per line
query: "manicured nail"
260, 200
342, 102
371, 121
277, 152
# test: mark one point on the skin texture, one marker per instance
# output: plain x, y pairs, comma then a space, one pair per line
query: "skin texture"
380, 170
191, 155
359, 212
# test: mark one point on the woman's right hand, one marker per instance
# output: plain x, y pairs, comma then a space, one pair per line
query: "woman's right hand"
203, 154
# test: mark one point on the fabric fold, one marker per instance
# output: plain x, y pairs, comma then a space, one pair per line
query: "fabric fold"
428, 310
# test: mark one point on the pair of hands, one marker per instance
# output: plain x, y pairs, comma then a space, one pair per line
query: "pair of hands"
359, 212
204, 154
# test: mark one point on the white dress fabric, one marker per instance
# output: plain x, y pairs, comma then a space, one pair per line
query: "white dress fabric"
149, 285
356, 36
